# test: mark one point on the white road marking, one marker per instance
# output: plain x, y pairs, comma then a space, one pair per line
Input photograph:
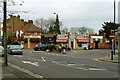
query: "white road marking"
81, 68
43, 59
96, 69
28, 62
18, 55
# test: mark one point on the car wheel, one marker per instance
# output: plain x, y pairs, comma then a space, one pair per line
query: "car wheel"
39, 49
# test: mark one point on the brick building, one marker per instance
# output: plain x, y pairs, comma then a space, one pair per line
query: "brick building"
29, 35
99, 42
14, 21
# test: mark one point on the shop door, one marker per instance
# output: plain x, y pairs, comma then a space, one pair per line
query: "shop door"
72, 44
96, 44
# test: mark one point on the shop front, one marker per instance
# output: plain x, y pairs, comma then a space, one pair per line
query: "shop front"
99, 42
62, 42
82, 43
31, 41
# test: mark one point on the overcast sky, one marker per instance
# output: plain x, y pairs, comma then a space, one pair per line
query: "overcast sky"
73, 13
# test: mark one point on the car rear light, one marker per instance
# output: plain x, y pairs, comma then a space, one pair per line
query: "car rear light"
2, 50
21, 49
12, 49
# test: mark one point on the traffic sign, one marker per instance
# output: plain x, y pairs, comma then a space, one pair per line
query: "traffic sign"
112, 36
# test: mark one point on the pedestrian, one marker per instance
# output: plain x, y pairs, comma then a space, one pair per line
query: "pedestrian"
64, 50
59, 48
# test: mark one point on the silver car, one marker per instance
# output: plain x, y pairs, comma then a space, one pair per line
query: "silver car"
15, 49
2, 51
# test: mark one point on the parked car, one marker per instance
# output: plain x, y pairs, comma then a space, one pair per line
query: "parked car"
15, 49
2, 51
40, 47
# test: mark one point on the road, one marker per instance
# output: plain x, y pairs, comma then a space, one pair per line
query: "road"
76, 64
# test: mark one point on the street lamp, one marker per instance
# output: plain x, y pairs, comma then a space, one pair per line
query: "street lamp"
68, 39
114, 23
5, 34
119, 40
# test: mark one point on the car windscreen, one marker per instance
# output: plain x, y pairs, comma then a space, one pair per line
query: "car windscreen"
18, 47
1, 47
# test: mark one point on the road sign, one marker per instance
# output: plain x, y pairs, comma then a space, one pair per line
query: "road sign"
112, 36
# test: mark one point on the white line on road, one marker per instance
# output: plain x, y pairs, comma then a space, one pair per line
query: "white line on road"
28, 62
96, 69
18, 55
43, 59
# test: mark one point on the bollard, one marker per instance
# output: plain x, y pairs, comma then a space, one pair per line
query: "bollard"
111, 55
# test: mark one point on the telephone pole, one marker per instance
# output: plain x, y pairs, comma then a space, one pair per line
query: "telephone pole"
5, 33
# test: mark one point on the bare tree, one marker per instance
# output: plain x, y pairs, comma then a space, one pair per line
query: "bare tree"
82, 30
64, 30
45, 24
90, 31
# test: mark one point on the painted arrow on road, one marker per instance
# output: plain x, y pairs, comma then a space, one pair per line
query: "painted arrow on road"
28, 62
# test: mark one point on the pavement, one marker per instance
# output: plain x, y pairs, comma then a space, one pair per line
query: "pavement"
108, 58
11, 72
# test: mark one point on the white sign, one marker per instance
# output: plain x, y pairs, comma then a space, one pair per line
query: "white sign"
21, 33
97, 37
17, 33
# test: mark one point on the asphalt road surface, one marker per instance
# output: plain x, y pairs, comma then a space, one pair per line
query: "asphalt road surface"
75, 64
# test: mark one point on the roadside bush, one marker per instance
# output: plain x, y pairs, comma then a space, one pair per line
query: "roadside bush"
51, 47
68, 48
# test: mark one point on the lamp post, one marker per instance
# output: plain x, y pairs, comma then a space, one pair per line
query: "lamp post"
55, 25
114, 23
68, 39
119, 40
5, 34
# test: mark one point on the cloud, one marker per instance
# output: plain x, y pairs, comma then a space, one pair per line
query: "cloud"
73, 13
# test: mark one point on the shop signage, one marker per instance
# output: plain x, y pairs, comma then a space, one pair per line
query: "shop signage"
97, 37
72, 39
82, 40
62, 40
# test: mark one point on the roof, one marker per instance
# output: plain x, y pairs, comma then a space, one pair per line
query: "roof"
32, 28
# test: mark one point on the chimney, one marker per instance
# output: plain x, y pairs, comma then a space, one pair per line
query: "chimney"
18, 16
30, 21
25, 22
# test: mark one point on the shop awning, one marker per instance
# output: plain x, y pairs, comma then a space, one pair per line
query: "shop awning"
82, 40
62, 40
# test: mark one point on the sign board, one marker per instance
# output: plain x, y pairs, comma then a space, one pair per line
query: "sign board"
97, 37
112, 36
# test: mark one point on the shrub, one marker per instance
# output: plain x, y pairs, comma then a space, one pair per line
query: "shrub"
51, 47
68, 48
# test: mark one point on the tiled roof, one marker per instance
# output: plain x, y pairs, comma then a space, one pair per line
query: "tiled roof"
32, 28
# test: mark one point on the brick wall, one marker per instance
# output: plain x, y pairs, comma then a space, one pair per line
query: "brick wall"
17, 24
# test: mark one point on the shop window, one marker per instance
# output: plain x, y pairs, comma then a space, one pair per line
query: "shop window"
101, 40
35, 33
34, 40
91, 40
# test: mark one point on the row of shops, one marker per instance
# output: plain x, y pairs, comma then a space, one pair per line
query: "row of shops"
73, 41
